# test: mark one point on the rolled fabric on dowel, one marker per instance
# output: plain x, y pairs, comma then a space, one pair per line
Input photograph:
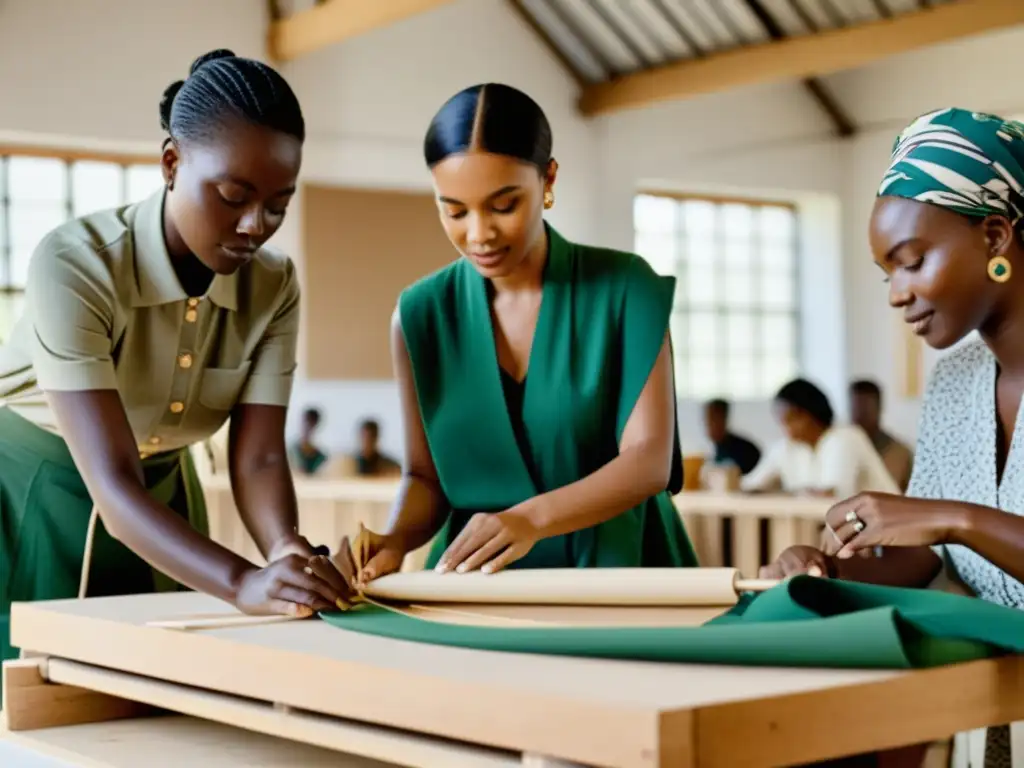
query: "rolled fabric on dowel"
570, 586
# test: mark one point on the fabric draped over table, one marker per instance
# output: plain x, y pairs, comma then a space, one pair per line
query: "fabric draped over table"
602, 320
802, 622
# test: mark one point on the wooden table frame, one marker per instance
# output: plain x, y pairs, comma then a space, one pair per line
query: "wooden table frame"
421, 705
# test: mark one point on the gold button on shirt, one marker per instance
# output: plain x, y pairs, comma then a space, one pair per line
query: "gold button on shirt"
105, 310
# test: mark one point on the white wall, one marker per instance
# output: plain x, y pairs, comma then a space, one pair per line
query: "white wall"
94, 70
368, 103
884, 97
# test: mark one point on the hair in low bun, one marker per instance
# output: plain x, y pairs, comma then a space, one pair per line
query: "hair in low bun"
222, 87
167, 101
220, 53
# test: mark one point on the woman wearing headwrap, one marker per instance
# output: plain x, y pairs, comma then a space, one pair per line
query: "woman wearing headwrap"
947, 231
817, 456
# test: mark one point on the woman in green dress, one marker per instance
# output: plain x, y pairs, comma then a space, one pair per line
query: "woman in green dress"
535, 373
145, 329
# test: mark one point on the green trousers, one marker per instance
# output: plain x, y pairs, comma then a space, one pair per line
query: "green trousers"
44, 517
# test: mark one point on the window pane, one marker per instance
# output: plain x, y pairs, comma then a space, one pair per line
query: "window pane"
701, 286
39, 179
699, 218
777, 334
776, 370
30, 223
738, 288
659, 250
11, 307
737, 221
703, 334
777, 290
777, 224
142, 181
703, 378
677, 326
5, 279
654, 214
741, 376
741, 334
699, 251
739, 255
777, 257
94, 187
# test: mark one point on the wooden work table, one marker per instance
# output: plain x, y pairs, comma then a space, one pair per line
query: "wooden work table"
416, 704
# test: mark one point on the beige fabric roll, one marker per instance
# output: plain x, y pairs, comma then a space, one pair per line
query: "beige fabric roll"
565, 586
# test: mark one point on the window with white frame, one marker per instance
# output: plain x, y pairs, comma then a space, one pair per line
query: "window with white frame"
736, 311
40, 192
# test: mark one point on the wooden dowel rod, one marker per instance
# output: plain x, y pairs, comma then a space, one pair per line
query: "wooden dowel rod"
756, 585
221, 622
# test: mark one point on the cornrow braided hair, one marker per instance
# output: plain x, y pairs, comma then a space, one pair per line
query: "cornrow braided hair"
221, 86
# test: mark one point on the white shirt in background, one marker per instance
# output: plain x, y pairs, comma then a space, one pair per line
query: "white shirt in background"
844, 462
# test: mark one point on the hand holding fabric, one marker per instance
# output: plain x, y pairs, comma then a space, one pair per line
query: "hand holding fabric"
490, 542
870, 520
798, 560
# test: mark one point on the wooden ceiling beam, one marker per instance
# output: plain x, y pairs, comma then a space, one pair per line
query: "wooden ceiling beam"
809, 56
332, 21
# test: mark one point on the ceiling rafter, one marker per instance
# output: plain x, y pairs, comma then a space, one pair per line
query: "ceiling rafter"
553, 48
332, 21
806, 56
841, 122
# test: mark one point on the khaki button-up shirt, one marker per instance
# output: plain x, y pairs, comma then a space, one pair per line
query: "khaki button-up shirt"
105, 310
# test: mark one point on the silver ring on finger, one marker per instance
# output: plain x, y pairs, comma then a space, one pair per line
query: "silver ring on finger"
851, 517
858, 526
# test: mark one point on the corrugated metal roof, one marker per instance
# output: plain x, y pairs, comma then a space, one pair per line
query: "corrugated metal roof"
606, 38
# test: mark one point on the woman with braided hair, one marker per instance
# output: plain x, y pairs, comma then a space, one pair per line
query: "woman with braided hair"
146, 328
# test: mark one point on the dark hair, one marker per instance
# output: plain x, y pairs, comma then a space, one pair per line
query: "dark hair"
720, 405
371, 426
802, 394
312, 415
866, 387
221, 85
493, 118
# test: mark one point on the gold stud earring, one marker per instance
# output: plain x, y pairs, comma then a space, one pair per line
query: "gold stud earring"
549, 199
999, 269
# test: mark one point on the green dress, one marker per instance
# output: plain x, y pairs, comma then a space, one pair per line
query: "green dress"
602, 321
44, 517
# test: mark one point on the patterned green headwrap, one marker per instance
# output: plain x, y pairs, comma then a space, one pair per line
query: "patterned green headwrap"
968, 162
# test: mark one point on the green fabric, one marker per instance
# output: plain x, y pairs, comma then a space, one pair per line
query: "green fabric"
603, 317
44, 517
969, 162
803, 622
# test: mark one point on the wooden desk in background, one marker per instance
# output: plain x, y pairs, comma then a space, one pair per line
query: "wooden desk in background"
790, 520
332, 508
328, 510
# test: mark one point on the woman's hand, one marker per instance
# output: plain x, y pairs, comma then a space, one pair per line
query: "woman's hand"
293, 545
870, 520
350, 571
285, 586
798, 560
490, 542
